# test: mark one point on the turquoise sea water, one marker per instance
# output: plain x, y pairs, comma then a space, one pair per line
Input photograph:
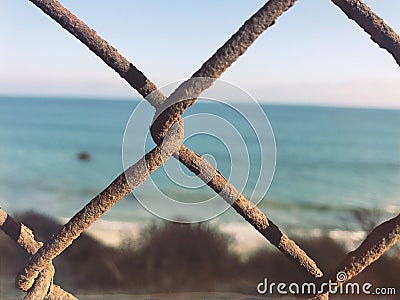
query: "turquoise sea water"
330, 161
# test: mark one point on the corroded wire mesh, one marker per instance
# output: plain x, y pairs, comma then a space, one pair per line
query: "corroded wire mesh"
167, 130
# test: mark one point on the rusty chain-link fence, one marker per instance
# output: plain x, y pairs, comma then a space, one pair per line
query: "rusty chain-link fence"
167, 130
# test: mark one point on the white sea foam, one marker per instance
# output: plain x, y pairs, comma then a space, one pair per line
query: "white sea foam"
112, 233
350, 239
391, 209
246, 238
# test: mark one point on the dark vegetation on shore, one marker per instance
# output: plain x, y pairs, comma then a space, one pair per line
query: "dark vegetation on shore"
171, 257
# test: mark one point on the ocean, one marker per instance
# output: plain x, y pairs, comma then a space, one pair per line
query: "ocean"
330, 162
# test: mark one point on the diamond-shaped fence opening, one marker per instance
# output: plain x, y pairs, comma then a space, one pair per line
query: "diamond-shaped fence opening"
167, 131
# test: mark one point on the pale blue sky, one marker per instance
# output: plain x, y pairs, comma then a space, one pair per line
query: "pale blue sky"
312, 55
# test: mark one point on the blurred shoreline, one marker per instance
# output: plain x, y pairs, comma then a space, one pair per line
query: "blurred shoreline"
245, 238
165, 260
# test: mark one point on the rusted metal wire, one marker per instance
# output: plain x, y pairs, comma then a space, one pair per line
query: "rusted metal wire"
191, 159
244, 207
25, 238
100, 47
185, 95
250, 212
380, 32
381, 239
167, 131
118, 189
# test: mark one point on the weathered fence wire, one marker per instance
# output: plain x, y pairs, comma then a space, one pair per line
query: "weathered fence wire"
167, 131
380, 32
381, 239
261, 20
25, 238
118, 189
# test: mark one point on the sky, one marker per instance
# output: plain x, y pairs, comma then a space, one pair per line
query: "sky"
312, 55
